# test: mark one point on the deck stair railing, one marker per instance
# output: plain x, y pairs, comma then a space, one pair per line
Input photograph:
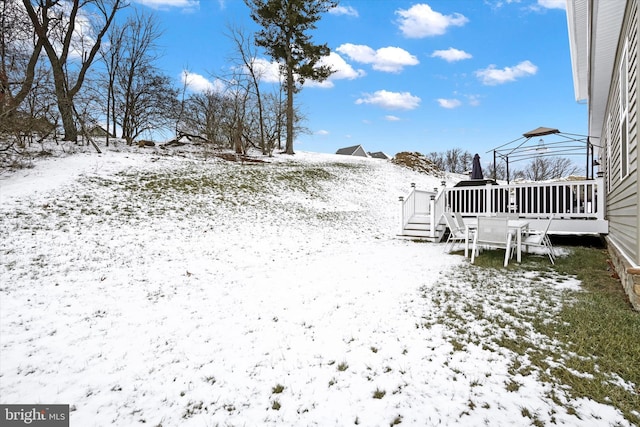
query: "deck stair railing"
421, 212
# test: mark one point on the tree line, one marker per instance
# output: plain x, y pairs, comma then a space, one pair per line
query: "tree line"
71, 65
460, 161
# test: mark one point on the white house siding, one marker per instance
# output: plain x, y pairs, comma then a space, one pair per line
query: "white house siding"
622, 201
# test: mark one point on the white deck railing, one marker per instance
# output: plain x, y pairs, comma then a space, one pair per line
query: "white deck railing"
568, 200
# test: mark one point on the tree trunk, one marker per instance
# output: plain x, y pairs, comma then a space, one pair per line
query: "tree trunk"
289, 112
65, 103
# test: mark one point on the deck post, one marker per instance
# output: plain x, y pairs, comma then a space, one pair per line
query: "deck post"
401, 198
601, 195
432, 216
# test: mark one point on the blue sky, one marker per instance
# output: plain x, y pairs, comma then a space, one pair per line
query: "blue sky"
411, 76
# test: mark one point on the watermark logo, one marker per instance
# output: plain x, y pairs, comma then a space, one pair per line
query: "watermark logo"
34, 415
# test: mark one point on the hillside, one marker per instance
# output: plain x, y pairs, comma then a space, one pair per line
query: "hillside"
180, 289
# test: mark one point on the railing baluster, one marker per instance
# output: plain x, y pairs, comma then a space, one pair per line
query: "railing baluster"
575, 199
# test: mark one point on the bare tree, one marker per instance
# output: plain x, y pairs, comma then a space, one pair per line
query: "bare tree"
70, 45
204, 116
136, 77
247, 57
545, 168
112, 56
498, 171
437, 159
465, 162
154, 105
452, 160
19, 59
275, 120
239, 95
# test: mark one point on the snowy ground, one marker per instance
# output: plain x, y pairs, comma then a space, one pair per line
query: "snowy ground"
170, 290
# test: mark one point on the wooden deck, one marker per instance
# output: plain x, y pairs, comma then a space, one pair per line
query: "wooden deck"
577, 207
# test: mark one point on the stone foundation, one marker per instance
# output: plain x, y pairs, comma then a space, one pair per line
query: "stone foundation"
629, 275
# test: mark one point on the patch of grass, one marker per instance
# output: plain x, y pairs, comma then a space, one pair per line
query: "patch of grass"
397, 420
304, 179
590, 337
379, 394
343, 366
193, 408
512, 385
535, 420
457, 345
275, 405
279, 388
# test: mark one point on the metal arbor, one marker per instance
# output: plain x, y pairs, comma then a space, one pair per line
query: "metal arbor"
532, 145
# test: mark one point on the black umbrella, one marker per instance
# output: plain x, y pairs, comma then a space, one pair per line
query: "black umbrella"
476, 169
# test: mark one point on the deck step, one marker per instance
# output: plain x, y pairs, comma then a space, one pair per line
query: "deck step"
417, 226
411, 232
422, 231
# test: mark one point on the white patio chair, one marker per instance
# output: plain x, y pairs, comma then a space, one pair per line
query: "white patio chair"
460, 220
540, 239
457, 234
493, 232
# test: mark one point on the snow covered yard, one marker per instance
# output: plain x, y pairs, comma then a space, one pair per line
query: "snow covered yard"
174, 290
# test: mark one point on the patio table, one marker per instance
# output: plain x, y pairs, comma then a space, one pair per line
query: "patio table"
518, 226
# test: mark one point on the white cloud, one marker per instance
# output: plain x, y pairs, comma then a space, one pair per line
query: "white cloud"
390, 100
388, 59
391, 118
496, 4
553, 4
199, 83
344, 10
474, 100
449, 103
341, 68
421, 21
188, 5
451, 54
269, 71
322, 132
492, 76
536, 7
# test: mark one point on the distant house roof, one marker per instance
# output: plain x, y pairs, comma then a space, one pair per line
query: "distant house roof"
356, 150
98, 130
379, 155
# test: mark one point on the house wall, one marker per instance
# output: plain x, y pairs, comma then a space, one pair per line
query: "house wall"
619, 142
622, 174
